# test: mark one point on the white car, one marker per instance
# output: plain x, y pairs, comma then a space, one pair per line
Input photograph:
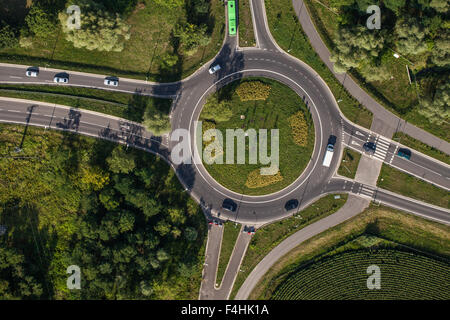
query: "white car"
32, 73
60, 80
214, 69
109, 82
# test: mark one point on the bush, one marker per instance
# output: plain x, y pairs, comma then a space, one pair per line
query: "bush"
256, 180
299, 128
217, 111
100, 30
253, 90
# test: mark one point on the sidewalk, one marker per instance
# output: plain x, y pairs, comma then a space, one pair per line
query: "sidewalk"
396, 123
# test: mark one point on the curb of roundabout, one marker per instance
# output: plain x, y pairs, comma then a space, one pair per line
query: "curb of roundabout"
243, 197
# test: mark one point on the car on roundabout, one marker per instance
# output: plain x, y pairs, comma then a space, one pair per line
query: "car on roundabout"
291, 205
229, 205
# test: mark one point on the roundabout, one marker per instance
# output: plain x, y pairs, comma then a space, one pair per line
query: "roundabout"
237, 109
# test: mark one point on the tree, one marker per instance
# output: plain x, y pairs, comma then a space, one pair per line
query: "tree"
156, 121
411, 36
190, 234
356, 44
394, 5
215, 110
8, 38
39, 22
162, 255
120, 161
100, 30
437, 109
168, 61
441, 50
191, 37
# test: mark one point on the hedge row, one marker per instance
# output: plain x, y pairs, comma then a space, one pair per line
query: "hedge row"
299, 128
256, 180
253, 90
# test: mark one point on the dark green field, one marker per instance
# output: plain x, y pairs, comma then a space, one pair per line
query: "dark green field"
404, 275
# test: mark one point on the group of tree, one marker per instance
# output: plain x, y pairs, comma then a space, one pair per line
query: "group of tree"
99, 29
124, 221
416, 29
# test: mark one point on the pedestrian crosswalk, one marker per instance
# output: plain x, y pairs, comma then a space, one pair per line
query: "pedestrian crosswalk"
382, 148
367, 191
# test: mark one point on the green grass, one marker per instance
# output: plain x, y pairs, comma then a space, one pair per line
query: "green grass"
268, 114
422, 147
288, 33
268, 237
246, 33
404, 275
349, 164
151, 36
123, 105
396, 94
407, 185
230, 233
395, 228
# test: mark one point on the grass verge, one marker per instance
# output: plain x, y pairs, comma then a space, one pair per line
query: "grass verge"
289, 35
230, 233
246, 33
420, 146
392, 225
349, 164
396, 181
123, 105
268, 237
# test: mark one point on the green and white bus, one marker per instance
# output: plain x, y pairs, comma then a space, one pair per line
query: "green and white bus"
232, 17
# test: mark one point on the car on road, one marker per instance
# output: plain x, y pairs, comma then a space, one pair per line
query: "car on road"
404, 153
214, 69
113, 82
229, 205
32, 72
60, 79
370, 147
249, 230
218, 223
291, 205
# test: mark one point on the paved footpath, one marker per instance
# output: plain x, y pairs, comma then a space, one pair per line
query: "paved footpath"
396, 123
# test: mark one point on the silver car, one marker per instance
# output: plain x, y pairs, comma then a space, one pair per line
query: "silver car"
214, 69
110, 82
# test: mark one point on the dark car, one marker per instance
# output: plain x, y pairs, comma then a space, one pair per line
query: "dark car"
404, 153
332, 140
370, 147
229, 205
291, 205
249, 230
